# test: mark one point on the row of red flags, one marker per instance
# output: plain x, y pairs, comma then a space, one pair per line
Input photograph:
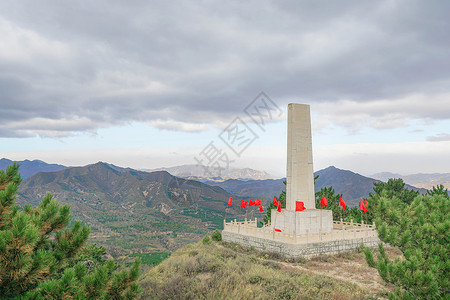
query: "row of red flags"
257, 202
299, 205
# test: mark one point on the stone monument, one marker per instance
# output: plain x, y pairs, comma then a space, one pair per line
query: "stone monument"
300, 233
300, 179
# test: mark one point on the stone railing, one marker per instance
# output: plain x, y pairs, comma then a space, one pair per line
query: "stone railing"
341, 231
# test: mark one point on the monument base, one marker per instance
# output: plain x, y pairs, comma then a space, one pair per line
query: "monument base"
296, 250
344, 236
309, 221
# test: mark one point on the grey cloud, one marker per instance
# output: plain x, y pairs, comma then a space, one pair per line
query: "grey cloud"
442, 137
186, 63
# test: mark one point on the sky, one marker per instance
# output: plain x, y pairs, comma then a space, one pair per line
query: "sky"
149, 84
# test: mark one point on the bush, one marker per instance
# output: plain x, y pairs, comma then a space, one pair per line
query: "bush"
216, 236
419, 229
255, 279
206, 240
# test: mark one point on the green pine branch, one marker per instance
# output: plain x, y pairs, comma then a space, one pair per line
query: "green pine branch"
41, 257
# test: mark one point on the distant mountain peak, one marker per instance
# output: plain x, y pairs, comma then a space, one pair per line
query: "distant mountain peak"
420, 180
30, 167
198, 172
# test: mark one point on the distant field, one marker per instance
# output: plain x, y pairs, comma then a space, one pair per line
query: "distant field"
150, 259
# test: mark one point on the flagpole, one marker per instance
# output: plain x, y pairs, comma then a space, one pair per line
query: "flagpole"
274, 224
321, 216
295, 220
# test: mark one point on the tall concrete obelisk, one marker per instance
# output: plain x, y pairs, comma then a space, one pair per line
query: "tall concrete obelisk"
300, 173
300, 180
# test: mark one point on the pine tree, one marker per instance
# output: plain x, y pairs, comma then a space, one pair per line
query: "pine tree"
41, 257
396, 187
420, 229
439, 190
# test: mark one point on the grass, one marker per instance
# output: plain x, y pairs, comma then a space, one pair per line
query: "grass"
219, 270
151, 259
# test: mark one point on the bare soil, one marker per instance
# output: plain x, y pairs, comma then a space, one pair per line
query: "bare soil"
349, 267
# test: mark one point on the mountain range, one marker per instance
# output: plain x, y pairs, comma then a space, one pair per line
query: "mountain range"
351, 185
30, 167
419, 180
129, 209
201, 173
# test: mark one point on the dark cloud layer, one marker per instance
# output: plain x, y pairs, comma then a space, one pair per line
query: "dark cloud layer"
75, 66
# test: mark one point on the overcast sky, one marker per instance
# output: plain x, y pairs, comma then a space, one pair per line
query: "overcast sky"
147, 84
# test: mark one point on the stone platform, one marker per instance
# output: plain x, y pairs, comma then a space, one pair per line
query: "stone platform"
302, 222
343, 237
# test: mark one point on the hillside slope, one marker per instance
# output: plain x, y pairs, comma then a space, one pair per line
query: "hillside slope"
131, 210
227, 271
351, 185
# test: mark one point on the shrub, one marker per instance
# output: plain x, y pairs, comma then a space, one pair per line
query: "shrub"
216, 236
255, 279
206, 240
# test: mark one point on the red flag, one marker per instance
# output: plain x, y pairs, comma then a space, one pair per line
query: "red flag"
250, 202
365, 202
299, 206
275, 202
342, 203
258, 202
243, 204
362, 207
323, 202
279, 207
261, 209
230, 200
277, 230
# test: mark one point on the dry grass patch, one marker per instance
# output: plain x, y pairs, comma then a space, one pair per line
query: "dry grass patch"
227, 271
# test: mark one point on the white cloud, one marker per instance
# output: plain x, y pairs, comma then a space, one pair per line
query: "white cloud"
178, 126
385, 113
185, 62
442, 137
25, 46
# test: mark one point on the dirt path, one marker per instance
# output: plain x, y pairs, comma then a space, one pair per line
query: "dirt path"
350, 267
